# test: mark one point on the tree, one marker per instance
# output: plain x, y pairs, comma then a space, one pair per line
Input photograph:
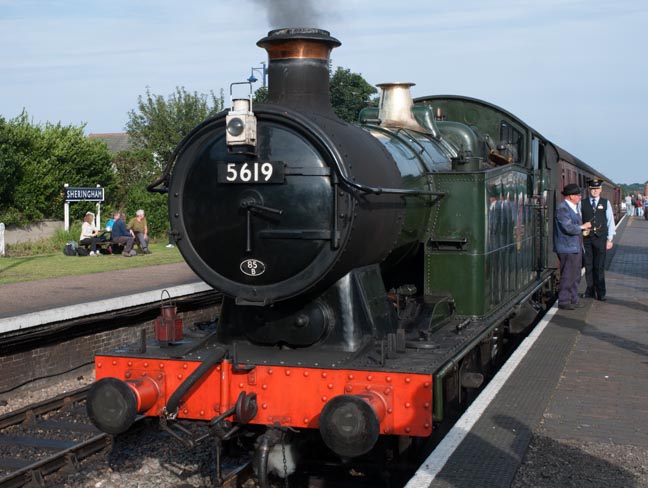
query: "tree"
260, 95
10, 158
350, 93
154, 204
159, 124
155, 128
135, 170
132, 167
39, 160
632, 188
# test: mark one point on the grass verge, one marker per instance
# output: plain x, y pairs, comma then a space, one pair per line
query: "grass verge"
44, 266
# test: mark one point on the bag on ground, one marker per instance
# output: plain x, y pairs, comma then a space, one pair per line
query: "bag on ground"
71, 248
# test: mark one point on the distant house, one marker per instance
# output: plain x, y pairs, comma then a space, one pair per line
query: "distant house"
116, 141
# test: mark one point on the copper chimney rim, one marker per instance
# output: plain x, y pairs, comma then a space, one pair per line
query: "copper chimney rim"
298, 43
298, 67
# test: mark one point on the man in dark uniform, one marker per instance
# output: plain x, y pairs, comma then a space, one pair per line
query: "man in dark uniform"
598, 211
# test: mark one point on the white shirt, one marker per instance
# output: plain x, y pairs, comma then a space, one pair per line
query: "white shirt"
87, 230
575, 207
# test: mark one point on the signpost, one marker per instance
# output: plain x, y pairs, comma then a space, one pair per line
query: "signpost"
82, 194
79, 194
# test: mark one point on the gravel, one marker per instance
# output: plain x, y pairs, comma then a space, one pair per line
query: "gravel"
40, 390
145, 458
555, 464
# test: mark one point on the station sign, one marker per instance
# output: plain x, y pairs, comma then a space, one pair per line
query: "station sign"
78, 194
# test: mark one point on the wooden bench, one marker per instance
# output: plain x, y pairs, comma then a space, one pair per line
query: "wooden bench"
107, 244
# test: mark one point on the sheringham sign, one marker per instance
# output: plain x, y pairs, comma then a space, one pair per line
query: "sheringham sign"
78, 194
82, 194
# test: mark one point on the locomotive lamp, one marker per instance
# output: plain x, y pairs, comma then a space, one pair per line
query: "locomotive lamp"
240, 124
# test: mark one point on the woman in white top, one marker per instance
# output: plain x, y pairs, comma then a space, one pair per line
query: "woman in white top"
89, 234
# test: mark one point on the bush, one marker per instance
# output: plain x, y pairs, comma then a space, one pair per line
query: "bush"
37, 160
45, 246
11, 216
154, 206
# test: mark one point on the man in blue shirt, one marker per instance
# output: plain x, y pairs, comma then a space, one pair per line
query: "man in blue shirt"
121, 235
598, 211
568, 226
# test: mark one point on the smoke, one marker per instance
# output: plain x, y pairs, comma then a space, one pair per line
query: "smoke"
295, 13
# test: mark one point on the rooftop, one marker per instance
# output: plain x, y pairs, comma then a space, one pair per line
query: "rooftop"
116, 141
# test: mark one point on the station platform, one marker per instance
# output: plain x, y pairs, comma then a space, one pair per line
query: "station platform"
34, 303
570, 407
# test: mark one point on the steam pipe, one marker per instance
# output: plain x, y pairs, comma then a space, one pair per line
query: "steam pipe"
210, 361
265, 442
261, 455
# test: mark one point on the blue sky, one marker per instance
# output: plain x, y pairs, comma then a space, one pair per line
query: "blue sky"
575, 70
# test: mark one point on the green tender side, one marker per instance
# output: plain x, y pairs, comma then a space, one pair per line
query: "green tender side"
480, 239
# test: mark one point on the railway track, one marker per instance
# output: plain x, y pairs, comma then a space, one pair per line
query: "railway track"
54, 436
39, 440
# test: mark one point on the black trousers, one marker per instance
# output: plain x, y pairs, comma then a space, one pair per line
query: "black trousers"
594, 258
93, 241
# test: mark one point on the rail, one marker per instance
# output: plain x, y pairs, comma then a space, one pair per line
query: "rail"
68, 454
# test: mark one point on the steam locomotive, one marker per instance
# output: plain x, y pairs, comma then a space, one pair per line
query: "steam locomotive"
372, 272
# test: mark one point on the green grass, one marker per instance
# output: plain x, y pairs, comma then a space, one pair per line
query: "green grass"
44, 266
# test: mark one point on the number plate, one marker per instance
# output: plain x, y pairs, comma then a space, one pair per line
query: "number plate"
254, 172
253, 267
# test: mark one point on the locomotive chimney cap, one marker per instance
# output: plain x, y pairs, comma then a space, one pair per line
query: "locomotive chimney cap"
298, 43
292, 33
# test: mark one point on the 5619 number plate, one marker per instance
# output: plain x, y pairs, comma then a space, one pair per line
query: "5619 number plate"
251, 172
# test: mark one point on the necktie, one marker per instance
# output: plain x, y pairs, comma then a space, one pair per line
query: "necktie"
593, 203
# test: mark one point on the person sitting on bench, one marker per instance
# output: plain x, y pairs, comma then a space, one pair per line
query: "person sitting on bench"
89, 234
139, 227
121, 235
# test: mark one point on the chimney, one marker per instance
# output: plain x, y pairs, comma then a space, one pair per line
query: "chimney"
298, 67
395, 109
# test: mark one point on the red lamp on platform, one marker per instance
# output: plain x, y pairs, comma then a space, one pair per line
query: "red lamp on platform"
168, 326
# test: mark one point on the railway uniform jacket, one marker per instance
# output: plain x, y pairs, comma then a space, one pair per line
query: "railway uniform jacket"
567, 230
602, 220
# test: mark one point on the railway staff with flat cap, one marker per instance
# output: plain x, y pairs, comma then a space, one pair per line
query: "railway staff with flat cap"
567, 244
596, 243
